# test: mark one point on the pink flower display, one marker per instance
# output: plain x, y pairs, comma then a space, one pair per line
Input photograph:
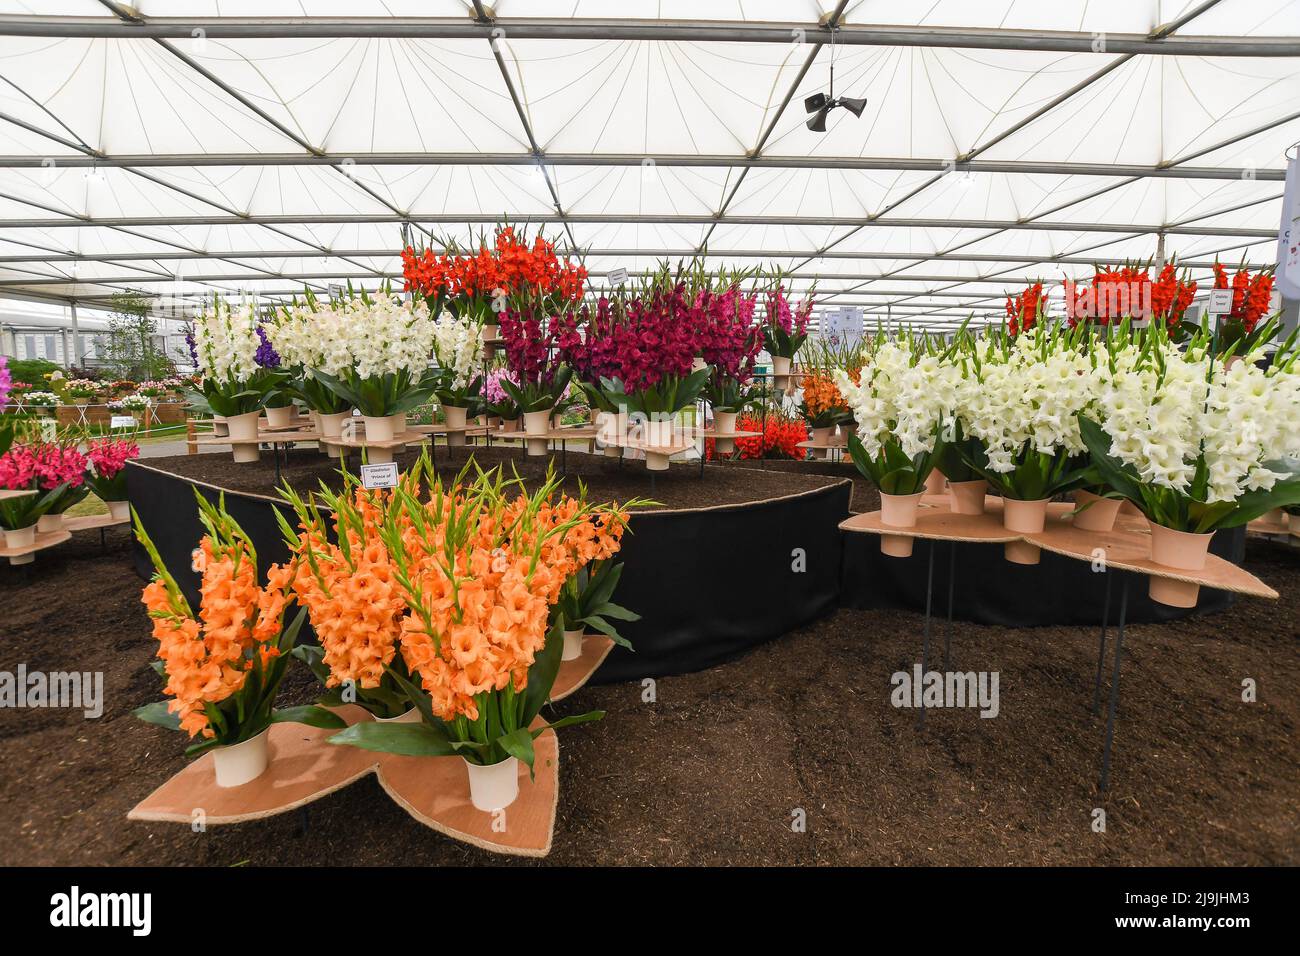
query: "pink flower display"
59, 465
108, 456
6, 381
18, 469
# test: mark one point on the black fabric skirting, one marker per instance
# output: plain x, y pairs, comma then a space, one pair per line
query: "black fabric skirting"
708, 583
711, 583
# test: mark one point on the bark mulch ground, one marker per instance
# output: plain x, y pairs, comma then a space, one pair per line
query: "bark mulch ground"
720, 764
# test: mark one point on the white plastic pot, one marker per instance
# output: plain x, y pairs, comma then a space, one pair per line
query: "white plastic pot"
572, 645
658, 432
246, 452
243, 427
119, 509
240, 763
724, 422
495, 786
399, 423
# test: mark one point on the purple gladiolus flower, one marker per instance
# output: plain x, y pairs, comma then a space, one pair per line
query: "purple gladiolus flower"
266, 355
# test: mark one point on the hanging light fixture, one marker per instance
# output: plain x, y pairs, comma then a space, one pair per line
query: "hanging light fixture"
820, 104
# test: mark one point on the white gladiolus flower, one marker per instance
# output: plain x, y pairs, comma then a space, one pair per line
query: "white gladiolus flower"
225, 339
351, 337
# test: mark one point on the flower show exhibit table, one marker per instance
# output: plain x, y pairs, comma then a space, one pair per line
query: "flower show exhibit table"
1122, 553
434, 790
710, 581
992, 590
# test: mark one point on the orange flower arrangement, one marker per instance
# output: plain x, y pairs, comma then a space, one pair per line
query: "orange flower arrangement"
239, 634
352, 597
480, 572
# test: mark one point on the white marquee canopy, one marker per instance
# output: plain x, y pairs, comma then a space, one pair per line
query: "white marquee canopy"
177, 147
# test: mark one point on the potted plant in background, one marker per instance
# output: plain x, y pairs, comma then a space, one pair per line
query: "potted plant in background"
19, 514
456, 380
41, 403
223, 666
378, 350
538, 378
106, 460
1197, 448
235, 385
298, 334
81, 390
497, 401
61, 470
280, 412
1240, 333
899, 402
784, 331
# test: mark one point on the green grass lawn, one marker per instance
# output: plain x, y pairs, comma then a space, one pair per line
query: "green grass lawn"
90, 506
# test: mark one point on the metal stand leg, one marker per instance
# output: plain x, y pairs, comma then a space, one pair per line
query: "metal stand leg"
947, 631
1101, 647
925, 638
1114, 686
275, 453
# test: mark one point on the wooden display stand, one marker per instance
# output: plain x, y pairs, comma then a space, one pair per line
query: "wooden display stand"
44, 539
434, 790
1124, 550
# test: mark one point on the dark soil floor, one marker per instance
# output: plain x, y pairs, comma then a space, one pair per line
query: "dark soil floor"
606, 479
715, 769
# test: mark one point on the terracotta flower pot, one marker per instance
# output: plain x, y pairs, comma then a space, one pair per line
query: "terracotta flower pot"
20, 537
724, 422
572, 645
658, 431
456, 418
240, 763
1023, 517
935, 483
495, 786
281, 417
48, 523
537, 423
246, 453
378, 428
898, 511
967, 497
510, 424
1180, 550
822, 436
242, 427
491, 330
1100, 513
399, 423
119, 509
780, 371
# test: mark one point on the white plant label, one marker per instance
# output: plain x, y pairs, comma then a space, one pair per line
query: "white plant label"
618, 277
121, 421
1220, 302
379, 476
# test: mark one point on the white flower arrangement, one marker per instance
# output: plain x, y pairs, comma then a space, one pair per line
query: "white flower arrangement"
135, 402
1164, 410
457, 349
361, 335
40, 399
226, 341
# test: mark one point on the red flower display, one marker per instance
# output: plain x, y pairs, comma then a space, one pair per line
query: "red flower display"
511, 268
1171, 295
1250, 294
779, 437
1024, 309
